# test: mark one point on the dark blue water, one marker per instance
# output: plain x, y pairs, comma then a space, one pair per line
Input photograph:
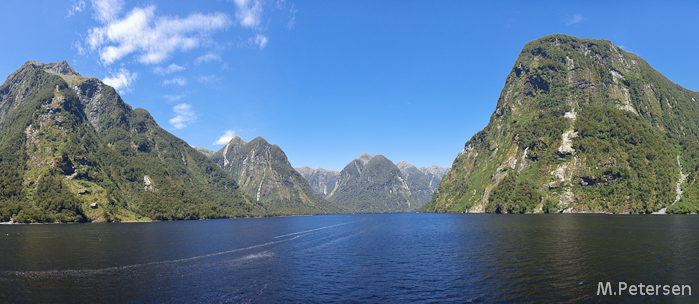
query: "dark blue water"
396, 258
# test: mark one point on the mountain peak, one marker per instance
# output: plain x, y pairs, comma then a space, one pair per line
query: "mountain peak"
236, 140
62, 68
365, 157
261, 140
402, 165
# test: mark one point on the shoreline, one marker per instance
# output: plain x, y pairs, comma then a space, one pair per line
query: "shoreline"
11, 223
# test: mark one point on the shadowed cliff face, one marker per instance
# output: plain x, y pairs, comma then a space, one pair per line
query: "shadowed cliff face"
581, 125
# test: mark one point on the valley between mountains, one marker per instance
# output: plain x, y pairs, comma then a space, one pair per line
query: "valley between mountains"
580, 126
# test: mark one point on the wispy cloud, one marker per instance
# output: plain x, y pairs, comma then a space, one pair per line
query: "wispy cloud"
208, 57
168, 70
180, 81
257, 41
106, 11
261, 40
173, 98
185, 116
225, 138
577, 18
206, 79
151, 38
121, 80
249, 13
292, 20
77, 7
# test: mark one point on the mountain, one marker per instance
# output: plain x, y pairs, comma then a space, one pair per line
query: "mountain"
322, 181
580, 126
418, 180
205, 151
373, 184
434, 175
420, 183
72, 150
265, 175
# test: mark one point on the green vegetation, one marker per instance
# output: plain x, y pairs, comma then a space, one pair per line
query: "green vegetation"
266, 176
55, 144
374, 186
632, 163
580, 125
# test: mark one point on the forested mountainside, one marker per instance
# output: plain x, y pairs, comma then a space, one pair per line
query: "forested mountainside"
581, 125
72, 150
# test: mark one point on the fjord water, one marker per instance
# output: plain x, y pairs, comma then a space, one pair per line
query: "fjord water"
396, 258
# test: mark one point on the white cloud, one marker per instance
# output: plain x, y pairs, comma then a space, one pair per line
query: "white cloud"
249, 13
107, 10
121, 80
258, 40
173, 98
168, 70
185, 116
292, 20
180, 81
151, 38
574, 19
261, 40
206, 58
206, 79
77, 7
225, 138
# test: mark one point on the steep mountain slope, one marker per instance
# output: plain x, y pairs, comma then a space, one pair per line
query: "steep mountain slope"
581, 125
205, 151
434, 175
72, 150
418, 181
373, 185
322, 181
265, 174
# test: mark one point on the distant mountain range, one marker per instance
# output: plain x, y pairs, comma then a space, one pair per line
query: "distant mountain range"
375, 184
71, 150
265, 175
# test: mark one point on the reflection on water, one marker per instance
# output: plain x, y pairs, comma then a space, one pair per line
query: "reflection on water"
367, 258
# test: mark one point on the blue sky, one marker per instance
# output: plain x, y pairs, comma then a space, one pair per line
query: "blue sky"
328, 80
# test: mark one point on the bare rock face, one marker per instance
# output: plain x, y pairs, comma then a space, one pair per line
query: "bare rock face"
61, 68
323, 182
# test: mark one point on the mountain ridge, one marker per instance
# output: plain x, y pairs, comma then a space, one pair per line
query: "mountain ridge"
412, 184
72, 150
265, 175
